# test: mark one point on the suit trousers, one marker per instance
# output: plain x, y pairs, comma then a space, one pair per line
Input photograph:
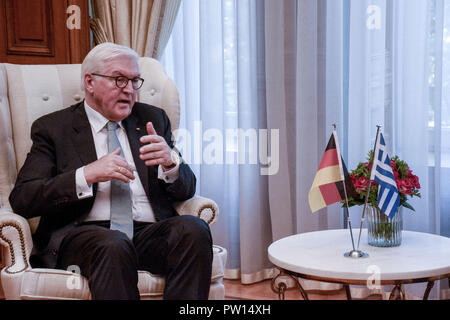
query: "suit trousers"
178, 248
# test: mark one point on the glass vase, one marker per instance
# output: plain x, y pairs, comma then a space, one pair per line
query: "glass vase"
382, 231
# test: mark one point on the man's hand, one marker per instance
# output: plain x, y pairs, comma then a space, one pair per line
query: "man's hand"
109, 167
156, 150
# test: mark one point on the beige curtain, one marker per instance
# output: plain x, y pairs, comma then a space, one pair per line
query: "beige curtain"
143, 25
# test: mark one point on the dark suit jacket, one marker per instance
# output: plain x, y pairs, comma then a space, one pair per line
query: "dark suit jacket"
62, 143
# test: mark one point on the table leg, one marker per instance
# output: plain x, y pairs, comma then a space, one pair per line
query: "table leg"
401, 294
281, 288
281, 291
302, 291
427, 291
347, 292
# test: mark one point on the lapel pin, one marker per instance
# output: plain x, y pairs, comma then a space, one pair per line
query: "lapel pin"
138, 129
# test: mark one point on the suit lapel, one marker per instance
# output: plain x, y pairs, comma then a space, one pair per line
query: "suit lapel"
135, 131
82, 137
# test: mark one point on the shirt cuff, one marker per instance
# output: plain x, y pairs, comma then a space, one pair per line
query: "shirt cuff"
169, 176
82, 188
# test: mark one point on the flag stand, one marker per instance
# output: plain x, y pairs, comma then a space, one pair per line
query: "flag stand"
353, 253
368, 188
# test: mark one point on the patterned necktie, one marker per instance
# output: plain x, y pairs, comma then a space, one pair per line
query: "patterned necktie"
121, 212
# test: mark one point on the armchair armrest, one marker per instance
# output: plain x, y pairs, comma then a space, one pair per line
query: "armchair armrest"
201, 207
15, 237
16, 245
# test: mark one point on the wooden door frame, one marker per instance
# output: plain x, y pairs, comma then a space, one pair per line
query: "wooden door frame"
83, 39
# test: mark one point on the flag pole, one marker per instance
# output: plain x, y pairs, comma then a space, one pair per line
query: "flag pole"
354, 253
368, 188
349, 222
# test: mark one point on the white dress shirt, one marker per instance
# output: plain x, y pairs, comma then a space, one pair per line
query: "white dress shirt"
141, 208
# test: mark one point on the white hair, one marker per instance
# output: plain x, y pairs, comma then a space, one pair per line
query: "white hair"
96, 59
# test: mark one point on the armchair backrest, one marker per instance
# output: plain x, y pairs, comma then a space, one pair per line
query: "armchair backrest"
30, 91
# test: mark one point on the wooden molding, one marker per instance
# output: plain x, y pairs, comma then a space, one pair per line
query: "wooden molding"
79, 40
36, 32
29, 28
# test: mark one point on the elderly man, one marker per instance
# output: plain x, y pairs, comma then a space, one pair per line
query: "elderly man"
102, 176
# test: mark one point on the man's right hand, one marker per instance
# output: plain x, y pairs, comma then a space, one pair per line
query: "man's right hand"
109, 167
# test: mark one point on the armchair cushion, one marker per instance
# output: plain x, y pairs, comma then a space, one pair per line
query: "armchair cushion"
7, 157
20, 281
54, 284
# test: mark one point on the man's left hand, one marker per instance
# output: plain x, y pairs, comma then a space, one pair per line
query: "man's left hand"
156, 151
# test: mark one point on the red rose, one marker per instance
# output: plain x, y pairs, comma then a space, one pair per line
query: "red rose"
393, 165
361, 183
414, 181
405, 186
396, 175
409, 171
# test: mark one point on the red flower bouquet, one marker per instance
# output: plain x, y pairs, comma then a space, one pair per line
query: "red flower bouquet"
407, 183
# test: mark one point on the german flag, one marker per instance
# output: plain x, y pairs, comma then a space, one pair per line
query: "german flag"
328, 185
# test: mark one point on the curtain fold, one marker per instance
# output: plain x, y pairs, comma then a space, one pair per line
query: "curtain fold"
216, 57
297, 104
143, 25
280, 107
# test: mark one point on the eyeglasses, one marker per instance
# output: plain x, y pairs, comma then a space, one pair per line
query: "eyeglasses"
122, 81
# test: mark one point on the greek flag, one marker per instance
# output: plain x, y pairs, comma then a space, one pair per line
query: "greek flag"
388, 195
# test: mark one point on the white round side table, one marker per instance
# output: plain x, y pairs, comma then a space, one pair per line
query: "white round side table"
422, 257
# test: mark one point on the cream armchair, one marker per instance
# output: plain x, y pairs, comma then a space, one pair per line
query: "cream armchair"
26, 93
